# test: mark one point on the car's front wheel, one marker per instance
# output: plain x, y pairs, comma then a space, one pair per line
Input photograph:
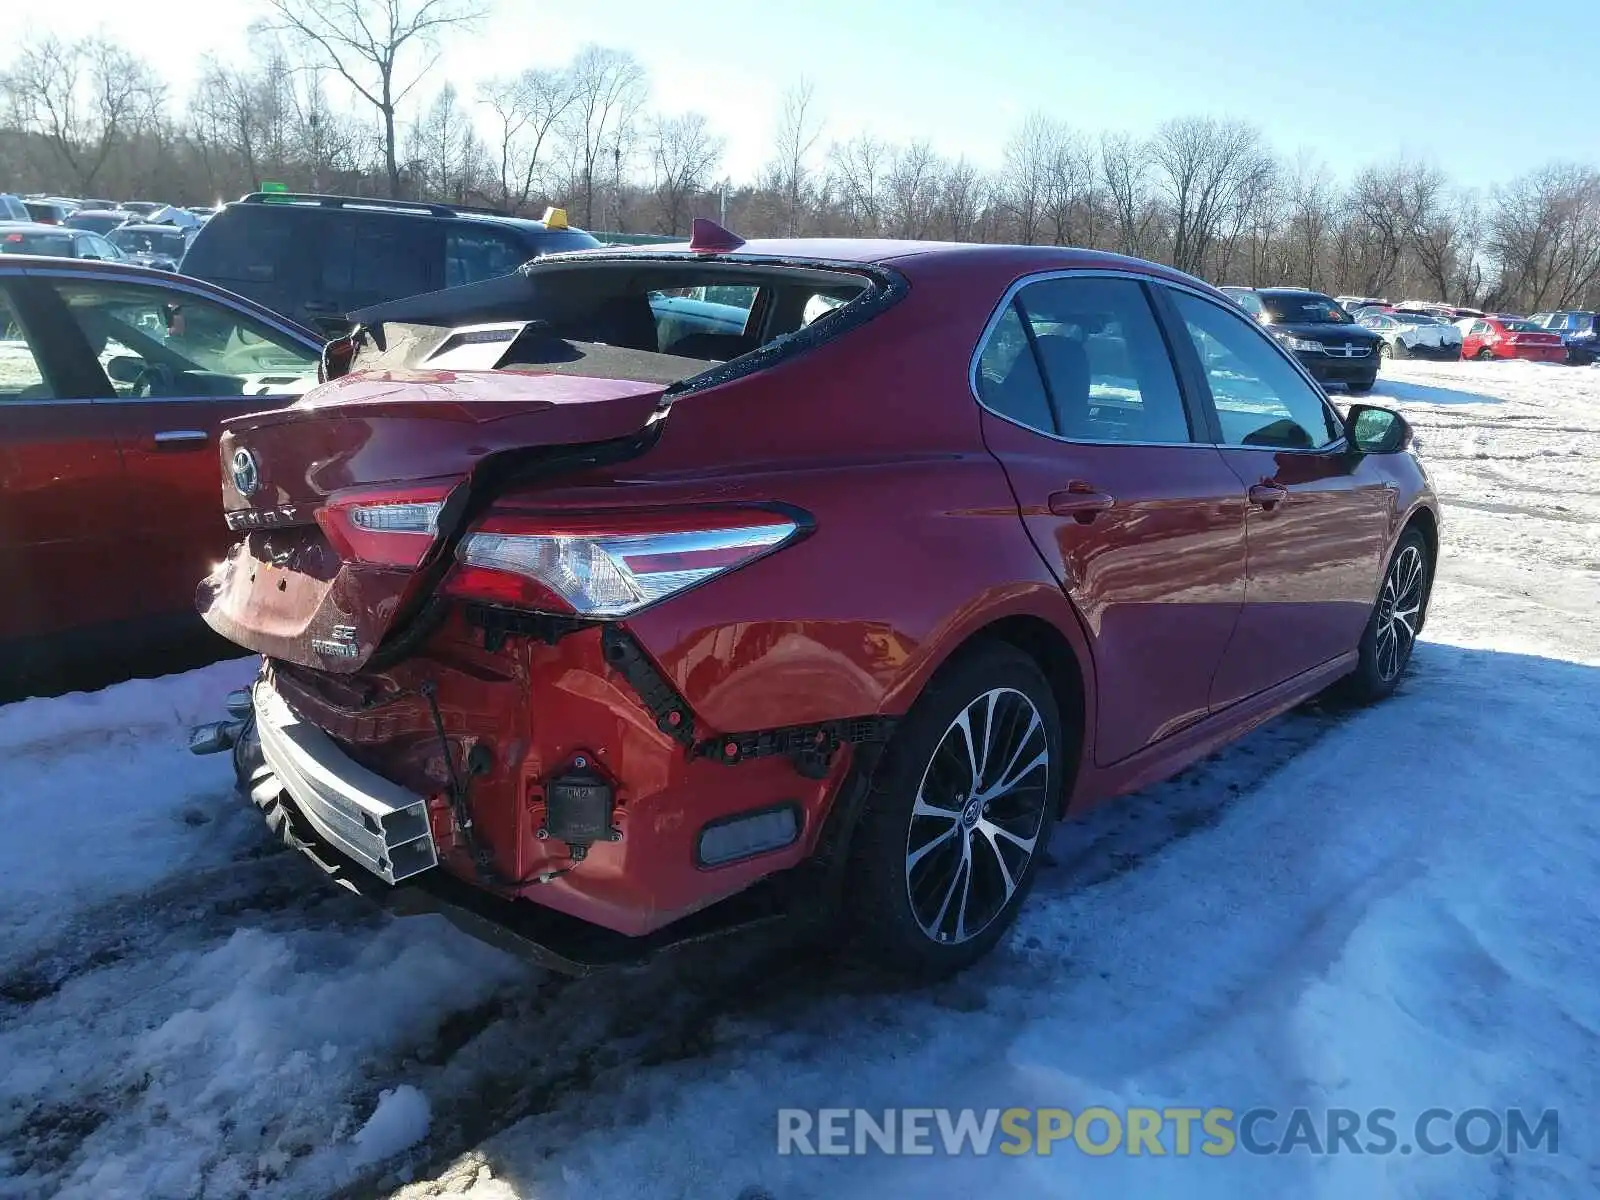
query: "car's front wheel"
1396, 620
959, 814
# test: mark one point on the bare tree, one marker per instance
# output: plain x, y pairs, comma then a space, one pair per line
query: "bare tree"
528, 109
367, 42
912, 190
609, 90
799, 129
1544, 232
685, 153
858, 168
84, 98
1125, 166
1203, 168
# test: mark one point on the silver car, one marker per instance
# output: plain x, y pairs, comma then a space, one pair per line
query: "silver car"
1414, 335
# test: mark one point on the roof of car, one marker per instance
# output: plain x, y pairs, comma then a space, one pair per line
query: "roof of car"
150, 227
869, 251
31, 227
1289, 291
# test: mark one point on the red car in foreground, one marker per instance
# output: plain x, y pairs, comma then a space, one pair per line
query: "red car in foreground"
113, 382
581, 622
1510, 337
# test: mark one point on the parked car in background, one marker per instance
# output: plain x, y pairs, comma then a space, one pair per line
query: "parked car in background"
561, 634
113, 382
1352, 303
1413, 334
99, 220
1244, 297
56, 241
46, 212
142, 208
1326, 339
1509, 337
317, 258
12, 208
1579, 330
160, 246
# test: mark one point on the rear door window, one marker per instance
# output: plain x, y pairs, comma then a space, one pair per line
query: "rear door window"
1101, 362
374, 257
471, 254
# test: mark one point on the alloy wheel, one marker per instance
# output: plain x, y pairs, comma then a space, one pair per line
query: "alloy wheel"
1399, 612
979, 809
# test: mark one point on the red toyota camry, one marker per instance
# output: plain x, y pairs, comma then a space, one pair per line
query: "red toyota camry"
1510, 337
621, 599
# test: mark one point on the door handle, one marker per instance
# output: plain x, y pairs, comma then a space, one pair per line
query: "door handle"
1081, 502
181, 439
1266, 495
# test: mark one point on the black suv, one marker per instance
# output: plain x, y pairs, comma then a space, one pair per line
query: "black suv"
1324, 337
315, 258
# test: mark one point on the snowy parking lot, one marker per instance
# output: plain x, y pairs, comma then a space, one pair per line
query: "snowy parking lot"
1393, 908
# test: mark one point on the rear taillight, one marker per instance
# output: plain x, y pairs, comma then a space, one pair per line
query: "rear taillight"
392, 528
610, 569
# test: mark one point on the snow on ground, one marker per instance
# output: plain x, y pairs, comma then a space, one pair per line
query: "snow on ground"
1392, 908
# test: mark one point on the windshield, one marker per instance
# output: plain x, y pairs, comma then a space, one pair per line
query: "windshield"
1304, 309
142, 241
58, 245
1418, 318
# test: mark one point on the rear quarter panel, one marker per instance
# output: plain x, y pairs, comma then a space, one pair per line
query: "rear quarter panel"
917, 541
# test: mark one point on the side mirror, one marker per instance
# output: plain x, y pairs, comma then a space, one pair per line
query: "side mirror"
125, 369
1375, 430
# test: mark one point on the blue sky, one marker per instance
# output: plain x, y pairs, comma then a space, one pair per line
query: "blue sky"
1485, 90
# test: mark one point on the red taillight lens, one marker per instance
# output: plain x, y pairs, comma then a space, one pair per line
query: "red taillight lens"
613, 568
390, 528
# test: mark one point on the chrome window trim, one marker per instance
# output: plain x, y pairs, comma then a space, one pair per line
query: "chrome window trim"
1004, 306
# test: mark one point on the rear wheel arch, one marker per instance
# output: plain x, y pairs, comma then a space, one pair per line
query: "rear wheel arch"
1060, 662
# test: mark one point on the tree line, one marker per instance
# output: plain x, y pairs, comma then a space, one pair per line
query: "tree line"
1205, 194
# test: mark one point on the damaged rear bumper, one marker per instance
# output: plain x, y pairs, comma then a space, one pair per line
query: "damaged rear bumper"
371, 838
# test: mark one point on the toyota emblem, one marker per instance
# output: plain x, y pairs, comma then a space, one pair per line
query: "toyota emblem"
246, 472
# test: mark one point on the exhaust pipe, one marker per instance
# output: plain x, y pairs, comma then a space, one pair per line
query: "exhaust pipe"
218, 736
215, 737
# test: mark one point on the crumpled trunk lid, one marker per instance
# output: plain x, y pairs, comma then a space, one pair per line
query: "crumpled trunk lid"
296, 588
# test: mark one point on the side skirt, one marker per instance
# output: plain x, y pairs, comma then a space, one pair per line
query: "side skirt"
1170, 755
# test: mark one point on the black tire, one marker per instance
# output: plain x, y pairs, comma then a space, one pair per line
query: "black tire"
1387, 642
928, 761
1484, 354
1398, 350
1384, 351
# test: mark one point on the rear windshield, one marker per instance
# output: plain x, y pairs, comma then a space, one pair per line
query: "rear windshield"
148, 241
1521, 326
58, 245
1304, 310
96, 222
653, 320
